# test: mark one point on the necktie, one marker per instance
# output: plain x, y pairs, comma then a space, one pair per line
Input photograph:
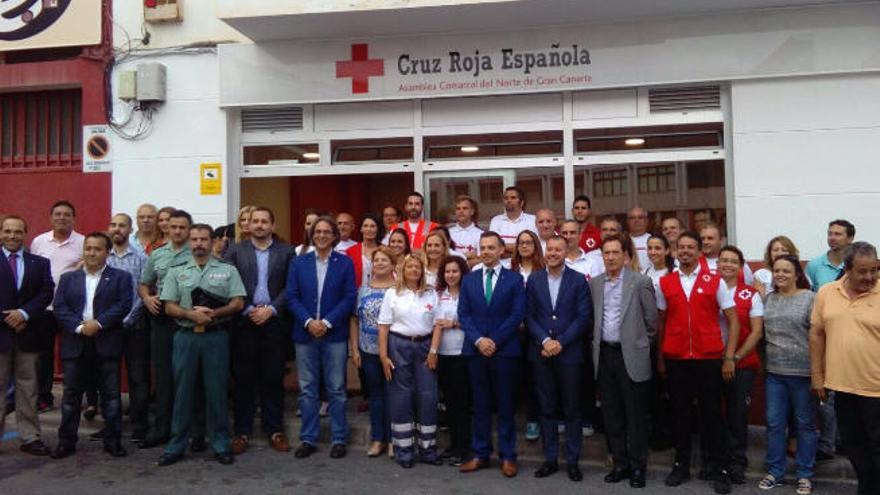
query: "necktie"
489, 286
13, 265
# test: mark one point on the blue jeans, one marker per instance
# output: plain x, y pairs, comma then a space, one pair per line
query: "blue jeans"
377, 388
785, 394
315, 360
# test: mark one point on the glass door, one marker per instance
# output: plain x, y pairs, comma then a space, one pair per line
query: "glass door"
486, 187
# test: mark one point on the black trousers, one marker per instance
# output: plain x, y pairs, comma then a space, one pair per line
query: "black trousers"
858, 420
700, 380
559, 386
75, 371
258, 354
588, 387
625, 410
454, 382
528, 393
737, 397
46, 364
137, 363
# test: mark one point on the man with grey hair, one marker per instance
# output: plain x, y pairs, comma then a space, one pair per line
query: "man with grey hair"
844, 345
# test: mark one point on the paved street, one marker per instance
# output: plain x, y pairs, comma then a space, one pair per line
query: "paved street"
262, 470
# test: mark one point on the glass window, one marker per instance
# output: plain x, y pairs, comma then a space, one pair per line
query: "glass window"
282, 154
372, 150
469, 146
648, 138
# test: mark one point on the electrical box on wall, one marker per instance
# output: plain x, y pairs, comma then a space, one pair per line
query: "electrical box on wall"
151, 82
127, 89
163, 10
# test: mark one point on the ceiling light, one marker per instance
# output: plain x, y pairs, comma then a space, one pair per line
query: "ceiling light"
634, 141
470, 149
309, 155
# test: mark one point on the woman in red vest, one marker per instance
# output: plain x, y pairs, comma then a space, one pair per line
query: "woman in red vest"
737, 392
372, 231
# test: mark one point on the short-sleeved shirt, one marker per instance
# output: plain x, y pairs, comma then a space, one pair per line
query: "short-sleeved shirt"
409, 314
640, 244
852, 338
160, 261
723, 295
452, 339
218, 278
508, 229
369, 304
64, 256
586, 265
820, 271
466, 239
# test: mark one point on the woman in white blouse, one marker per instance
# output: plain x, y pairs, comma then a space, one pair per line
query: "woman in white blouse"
408, 344
453, 369
778, 246
660, 255
436, 248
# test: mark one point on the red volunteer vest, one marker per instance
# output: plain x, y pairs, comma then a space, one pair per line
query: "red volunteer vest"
691, 330
591, 238
743, 300
417, 237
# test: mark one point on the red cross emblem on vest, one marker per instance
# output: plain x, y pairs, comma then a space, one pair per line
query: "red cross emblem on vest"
745, 294
591, 243
360, 68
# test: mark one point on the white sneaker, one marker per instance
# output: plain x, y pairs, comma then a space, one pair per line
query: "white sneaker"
804, 487
769, 482
588, 430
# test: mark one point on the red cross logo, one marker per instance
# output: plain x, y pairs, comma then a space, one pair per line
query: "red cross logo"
360, 68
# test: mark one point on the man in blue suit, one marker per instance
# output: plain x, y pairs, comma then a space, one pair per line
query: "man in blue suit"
491, 307
90, 306
26, 287
558, 315
320, 295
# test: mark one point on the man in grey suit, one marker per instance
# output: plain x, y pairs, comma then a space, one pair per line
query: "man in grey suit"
260, 336
625, 319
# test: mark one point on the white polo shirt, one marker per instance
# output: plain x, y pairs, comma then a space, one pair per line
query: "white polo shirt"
466, 239
586, 264
508, 229
408, 313
640, 243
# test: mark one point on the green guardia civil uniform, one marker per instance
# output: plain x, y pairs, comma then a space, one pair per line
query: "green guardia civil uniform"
201, 349
161, 260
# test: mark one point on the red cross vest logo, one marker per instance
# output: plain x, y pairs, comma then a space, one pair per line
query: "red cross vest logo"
360, 68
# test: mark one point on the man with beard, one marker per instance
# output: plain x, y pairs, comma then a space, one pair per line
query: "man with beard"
416, 227
125, 256
202, 296
514, 220
591, 236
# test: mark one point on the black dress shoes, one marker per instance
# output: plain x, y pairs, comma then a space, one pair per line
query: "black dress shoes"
574, 473
546, 469
637, 478
680, 474
36, 447
722, 483
617, 475
62, 451
115, 450
337, 451
224, 458
167, 459
305, 450
407, 464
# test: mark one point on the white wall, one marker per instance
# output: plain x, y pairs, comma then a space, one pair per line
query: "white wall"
189, 129
805, 153
200, 25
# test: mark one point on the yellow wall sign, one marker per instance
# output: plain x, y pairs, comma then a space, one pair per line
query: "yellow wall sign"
211, 178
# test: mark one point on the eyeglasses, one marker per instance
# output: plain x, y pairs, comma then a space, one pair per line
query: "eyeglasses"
526, 243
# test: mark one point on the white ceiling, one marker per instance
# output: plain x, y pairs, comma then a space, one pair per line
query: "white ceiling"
273, 20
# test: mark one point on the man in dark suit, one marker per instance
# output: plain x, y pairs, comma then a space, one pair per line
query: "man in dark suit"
25, 291
557, 318
90, 306
321, 294
625, 324
491, 307
259, 336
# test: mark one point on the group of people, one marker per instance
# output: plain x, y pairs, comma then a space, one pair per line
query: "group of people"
552, 314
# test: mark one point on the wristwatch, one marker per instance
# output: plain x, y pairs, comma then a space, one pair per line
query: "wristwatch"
433, 350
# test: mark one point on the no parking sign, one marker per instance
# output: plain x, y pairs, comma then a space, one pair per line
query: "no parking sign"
97, 149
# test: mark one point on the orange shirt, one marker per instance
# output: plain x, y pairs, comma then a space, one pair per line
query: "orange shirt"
852, 338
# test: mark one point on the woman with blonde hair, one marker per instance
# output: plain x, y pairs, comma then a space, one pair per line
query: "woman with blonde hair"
436, 248
778, 246
408, 345
242, 224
